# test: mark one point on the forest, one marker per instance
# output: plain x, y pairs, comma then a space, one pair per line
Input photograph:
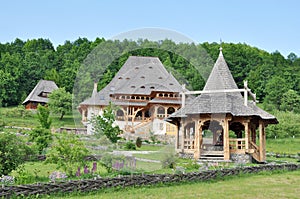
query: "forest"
274, 78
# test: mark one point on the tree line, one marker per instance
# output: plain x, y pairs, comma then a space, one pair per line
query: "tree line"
274, 78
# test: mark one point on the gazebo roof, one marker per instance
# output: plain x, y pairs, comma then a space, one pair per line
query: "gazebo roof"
138, 76
222, 102
43, 86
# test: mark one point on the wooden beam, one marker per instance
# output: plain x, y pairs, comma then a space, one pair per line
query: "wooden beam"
213, 91
245, 93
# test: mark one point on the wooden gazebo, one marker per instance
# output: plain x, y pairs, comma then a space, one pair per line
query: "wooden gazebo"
221, 123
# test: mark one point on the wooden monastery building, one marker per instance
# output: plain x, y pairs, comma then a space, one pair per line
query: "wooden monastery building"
221, 123
145, 92
39, 95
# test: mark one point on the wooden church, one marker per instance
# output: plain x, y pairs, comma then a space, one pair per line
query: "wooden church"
221, 123
146, 94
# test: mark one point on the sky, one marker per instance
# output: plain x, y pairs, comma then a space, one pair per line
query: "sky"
266, 24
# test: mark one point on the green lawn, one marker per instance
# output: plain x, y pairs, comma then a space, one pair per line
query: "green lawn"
10, 117
288, 145
266, 185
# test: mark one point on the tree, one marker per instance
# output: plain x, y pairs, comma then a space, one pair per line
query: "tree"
43, 114
41, 137
290, 101
13, 151
274, 89
104, 124
68, 153
60, 101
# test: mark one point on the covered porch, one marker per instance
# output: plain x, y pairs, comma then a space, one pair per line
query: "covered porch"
217, 137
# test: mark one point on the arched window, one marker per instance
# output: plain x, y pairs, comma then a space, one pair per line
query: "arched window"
170, 110
120, 112
161, 110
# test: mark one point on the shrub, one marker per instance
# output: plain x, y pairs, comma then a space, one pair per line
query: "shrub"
130, 146
68, 153
138, 142
13, 151
43, 114
41, 137
169, 161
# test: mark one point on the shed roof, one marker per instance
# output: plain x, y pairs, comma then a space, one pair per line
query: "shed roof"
139, 76
228, 102
43, 86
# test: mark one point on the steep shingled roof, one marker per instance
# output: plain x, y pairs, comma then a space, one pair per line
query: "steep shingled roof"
43, 86
228, 102
140, 76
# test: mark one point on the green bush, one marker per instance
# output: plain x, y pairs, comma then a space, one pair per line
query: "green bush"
13, 151
130, 146
169, 161
68, 153
138, 142
289, 126
41, 138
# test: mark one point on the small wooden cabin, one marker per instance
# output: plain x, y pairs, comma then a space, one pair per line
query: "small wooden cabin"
39, 95
221, 123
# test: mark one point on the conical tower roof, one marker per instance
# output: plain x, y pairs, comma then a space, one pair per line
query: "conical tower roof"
220, 77
224, 102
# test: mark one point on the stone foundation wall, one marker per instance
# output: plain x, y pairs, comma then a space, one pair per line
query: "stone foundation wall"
241, 158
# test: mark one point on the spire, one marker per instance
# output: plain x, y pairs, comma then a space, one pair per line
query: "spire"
220, 77
95, 89
221, 54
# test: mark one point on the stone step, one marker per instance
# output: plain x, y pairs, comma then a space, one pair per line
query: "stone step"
212, 153
212, 158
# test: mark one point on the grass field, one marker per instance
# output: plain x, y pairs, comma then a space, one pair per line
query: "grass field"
288, 146
264, 185
10, 117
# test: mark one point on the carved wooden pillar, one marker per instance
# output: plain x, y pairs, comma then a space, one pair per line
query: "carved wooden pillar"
262, 142
166, 112
198, 139
177, 136
83, 118
182, 135
226, 139
247, 134
155, 112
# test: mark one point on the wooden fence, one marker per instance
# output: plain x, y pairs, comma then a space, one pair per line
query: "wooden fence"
135, 180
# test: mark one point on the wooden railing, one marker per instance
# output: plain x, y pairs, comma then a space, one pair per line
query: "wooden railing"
143, 123
188, 143
237, 144
255, 151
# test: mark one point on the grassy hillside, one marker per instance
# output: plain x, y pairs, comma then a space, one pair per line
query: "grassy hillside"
18, 116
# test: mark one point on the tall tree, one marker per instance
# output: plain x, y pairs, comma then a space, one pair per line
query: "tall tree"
60, 101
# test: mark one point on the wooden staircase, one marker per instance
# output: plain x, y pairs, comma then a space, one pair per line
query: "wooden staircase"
254, 151
212, 155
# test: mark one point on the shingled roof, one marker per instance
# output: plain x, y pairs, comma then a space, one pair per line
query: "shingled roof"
43, 86
226, 102
140, 76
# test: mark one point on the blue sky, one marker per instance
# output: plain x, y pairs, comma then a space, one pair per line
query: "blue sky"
269, 25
